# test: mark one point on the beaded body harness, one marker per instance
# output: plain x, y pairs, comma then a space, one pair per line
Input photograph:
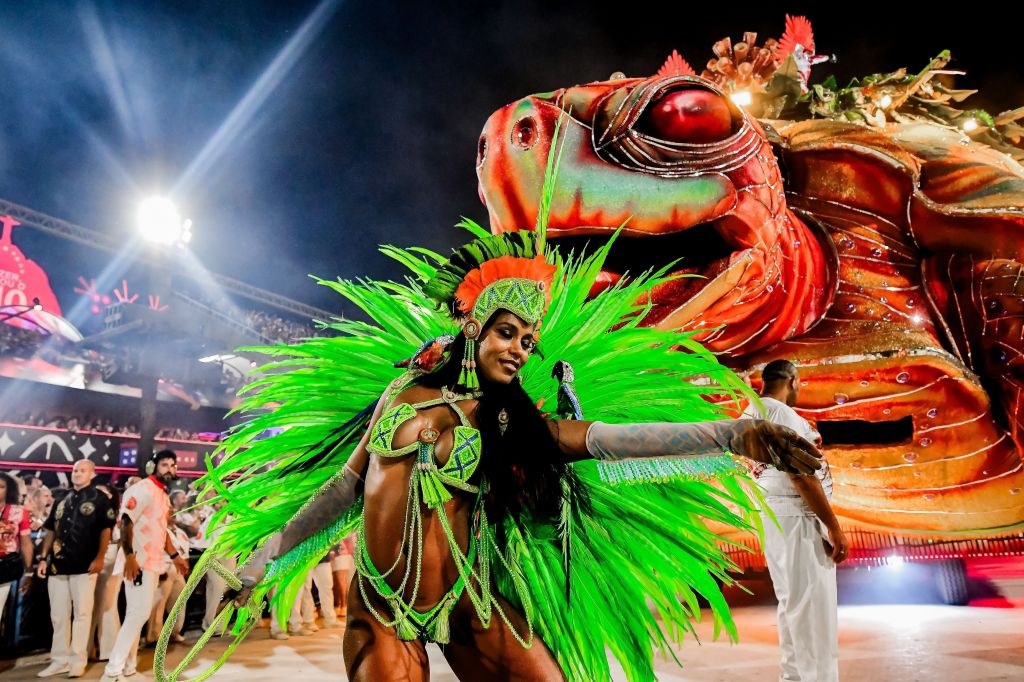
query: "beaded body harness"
428, 493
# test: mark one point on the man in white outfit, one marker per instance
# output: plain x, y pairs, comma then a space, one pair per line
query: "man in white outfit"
144, 541
324, 579
75, 544
106, 621
216, 586
802, 557
294, 625
169, 587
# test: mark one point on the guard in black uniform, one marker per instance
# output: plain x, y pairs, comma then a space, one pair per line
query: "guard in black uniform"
77, 533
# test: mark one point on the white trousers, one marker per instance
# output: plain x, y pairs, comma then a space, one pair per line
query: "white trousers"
5, 589
804, 578
294, 618
342, 583
324, 579
216, 588
123, 657
105, 618
167, 592
71, 600
305, 601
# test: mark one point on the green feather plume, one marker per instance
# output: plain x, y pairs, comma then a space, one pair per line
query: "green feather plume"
646, 540
449, 276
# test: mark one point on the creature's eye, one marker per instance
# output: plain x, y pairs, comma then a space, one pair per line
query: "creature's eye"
524, 133
691, 115
999, 355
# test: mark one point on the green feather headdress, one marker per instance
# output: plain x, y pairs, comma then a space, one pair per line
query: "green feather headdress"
464, 259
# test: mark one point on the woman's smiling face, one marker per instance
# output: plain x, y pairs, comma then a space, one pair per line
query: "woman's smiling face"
504, 347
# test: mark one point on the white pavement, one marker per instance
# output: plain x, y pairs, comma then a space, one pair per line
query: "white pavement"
877, 644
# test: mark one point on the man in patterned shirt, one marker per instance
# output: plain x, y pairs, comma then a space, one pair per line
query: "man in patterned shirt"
144, 540
802, 552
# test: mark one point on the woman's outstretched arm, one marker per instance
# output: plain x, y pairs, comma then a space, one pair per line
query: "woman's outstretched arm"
330, 502
754, 439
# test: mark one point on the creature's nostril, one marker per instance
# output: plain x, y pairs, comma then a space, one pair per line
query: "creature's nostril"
481, 150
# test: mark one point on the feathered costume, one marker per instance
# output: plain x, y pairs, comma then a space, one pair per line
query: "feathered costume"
643, 539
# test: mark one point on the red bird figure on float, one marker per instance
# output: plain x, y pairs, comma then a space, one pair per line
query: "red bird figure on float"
873, 234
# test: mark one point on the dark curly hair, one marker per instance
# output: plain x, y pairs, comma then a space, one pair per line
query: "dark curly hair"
13, 495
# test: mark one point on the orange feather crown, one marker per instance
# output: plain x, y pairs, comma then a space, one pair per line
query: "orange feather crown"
520, 285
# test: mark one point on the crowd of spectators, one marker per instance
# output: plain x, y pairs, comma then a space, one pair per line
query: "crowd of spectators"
277, 328
19, 342
93, 424
25, 343
100, 569
269, 325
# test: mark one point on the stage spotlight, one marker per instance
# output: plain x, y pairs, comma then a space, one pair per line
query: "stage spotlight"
742, 98
160, 222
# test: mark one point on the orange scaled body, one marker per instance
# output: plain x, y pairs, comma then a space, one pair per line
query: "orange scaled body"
886, 262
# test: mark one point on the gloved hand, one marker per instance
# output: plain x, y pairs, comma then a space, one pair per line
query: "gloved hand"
256, 567
330, 502
779, 446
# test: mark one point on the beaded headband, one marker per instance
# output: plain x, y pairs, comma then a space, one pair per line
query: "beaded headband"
498, 272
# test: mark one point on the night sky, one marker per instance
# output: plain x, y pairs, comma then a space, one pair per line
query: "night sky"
367, 132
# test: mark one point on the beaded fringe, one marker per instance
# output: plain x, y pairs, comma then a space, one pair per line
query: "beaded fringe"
664, 469
467, 377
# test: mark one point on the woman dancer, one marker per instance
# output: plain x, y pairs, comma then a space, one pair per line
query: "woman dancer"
481, 523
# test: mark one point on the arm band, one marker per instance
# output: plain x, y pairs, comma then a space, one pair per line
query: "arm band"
613, 442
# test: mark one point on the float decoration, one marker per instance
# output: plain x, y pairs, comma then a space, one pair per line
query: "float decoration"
872, 233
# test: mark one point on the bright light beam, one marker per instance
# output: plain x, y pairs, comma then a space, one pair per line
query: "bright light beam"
107, 66
217, 297
742, 98
159, 221
24, 58
240, 117
106, 279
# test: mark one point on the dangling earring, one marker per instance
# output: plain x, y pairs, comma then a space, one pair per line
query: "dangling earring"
468, 377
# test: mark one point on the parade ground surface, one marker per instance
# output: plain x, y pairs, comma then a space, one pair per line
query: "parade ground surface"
875, 643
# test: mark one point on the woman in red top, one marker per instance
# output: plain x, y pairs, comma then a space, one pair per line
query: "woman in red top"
14, 535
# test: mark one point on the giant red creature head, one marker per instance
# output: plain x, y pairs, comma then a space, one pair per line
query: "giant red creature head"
694, 180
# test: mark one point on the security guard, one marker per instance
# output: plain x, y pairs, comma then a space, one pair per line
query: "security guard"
77, 533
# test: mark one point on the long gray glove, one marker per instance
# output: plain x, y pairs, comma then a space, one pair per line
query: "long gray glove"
330, 502
754, 439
